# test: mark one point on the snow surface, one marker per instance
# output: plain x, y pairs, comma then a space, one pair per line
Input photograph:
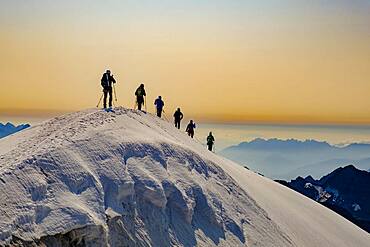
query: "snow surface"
132, 179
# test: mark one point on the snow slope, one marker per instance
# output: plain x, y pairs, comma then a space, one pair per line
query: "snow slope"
93, 178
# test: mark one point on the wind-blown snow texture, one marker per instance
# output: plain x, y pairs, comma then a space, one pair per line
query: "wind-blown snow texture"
93, 178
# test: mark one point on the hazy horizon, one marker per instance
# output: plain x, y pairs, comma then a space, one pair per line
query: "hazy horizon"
228, 134
38, 115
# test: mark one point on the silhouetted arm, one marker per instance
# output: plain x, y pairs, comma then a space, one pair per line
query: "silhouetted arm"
102, 81
112, 79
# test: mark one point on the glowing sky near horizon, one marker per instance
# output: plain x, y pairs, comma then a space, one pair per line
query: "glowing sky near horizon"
274, 60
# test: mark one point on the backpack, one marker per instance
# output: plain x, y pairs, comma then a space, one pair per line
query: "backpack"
210, 140
140, 92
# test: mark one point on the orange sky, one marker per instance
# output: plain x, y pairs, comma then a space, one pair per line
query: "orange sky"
278, 61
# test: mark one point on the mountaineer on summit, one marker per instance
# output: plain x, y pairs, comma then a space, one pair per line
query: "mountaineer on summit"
190, 128
159, 105
107, 82
210, 141
178, 117
140, 94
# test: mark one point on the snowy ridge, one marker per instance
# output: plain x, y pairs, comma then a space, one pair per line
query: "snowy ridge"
130, 179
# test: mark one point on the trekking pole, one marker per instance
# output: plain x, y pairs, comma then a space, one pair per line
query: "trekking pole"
145, 103
100, 100
164, 115
115, 95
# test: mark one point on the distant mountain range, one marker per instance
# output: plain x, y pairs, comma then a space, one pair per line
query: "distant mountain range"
345, 190
287, 159
277, 144
10, 128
